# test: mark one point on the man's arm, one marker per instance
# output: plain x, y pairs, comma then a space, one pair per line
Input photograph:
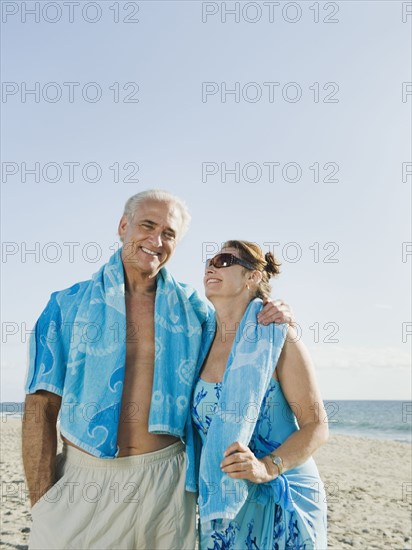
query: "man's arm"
40, 441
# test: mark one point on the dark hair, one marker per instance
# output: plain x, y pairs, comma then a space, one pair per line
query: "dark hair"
265, 263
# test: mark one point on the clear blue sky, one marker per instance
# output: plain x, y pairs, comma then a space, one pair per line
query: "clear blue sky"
182, 140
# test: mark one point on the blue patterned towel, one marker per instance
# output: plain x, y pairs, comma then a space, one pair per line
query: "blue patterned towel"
250, 366
78, 351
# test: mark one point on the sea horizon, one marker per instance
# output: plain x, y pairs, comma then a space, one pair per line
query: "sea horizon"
384, 419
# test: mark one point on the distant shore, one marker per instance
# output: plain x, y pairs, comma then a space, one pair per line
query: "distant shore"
386, 420
368, 483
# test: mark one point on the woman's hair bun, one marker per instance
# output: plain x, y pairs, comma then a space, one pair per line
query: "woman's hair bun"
271, 267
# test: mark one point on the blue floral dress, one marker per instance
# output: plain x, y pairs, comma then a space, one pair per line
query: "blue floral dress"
301, 528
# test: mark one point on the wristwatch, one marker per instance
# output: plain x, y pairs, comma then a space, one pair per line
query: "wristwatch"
278, 462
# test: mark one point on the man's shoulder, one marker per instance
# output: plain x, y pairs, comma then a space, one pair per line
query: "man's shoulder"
77, 289
191, 293
67, 297
187, 289
198, 303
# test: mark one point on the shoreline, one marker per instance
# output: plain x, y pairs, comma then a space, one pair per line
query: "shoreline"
5, 417
373, 437
368, 484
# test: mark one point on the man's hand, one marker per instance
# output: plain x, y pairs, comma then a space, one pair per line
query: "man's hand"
276, 311
241, 463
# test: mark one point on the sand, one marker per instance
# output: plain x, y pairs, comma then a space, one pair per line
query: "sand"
368, 482
369, 488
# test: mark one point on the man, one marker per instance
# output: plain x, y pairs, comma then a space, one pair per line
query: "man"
117, 357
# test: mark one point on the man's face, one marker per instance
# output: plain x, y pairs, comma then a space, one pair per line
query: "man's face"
150, 237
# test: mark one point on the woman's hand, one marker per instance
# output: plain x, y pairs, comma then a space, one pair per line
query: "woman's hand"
241, 463
275, 311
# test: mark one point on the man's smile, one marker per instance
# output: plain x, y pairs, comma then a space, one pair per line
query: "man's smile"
149, 251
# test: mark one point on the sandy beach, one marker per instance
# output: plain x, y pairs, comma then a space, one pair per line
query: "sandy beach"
368, 482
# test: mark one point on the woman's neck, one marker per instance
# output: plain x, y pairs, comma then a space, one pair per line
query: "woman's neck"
229, 313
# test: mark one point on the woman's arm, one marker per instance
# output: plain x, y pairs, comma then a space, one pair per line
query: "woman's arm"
296, 375
297, 378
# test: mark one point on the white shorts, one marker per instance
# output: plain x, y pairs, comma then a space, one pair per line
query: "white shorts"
136, 502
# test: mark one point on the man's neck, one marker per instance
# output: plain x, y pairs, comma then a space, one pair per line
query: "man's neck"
139, 284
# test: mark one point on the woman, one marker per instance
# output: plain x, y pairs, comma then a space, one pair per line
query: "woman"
258, 417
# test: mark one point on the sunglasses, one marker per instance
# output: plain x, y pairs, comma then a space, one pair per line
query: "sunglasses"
226, 260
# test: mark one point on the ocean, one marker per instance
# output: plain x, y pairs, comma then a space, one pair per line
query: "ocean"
374, 419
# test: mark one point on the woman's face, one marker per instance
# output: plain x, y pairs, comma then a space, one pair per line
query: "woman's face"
226, 282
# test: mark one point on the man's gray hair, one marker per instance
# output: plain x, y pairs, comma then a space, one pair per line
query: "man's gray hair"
162, 196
